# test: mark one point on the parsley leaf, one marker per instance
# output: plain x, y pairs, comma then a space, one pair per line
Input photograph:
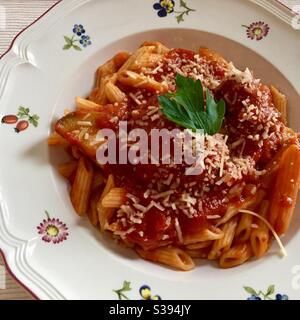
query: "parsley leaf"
23, 112
187, 108
34, 120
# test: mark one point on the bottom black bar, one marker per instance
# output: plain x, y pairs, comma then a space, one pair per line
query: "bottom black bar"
127, 310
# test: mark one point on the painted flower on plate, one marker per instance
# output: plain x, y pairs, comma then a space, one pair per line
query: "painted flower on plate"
85, 41
265, 295
145, 292
164, 7
281, 297
53, 230
78, 30
179, 8
253, 297
257, 30
78, 40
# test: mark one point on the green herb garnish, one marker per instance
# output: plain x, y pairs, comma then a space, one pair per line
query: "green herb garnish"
187, 108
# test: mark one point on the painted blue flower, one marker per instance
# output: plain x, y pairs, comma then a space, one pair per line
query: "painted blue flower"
253, 297
164, 7
281, 297
78, 30
85, 41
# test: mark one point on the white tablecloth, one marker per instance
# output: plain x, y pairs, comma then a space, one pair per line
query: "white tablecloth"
15, 15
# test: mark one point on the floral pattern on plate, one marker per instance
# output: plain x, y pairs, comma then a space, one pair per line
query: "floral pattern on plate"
257, 30
53, 230
22, 119
145, 292
268, 295
78, 40
179, 8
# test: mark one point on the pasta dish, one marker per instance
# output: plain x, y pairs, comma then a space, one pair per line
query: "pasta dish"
245, 192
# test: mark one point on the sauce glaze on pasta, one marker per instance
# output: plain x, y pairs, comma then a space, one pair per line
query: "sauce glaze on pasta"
159, 206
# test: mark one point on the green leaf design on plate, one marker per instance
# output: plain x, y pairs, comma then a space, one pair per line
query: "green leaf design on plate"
67, 47
120, 292
34, 120
68, 40
186, 10
23, 112
77, 47
251, 291
271, 290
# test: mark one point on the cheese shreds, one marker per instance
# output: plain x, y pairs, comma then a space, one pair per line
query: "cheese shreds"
178, 230
162, 194
140, 207
212, 217
158, 206
86, 116
223, 157
122, 234
283, 251
85, 123
147, 193
157, 68
133, 198
243, 148
135, 99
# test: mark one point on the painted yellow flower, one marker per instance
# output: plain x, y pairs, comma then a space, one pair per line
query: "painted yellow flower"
145, 292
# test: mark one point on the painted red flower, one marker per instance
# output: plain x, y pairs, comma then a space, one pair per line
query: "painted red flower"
257, 30
53, 230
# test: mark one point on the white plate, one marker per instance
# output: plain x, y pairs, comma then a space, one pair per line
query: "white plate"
38, 74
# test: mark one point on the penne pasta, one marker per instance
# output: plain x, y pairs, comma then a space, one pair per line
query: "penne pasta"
214, 56
68, 169
120, 58
250, 203
244, 228
170, 256
159, 47
105, 214
280, 102
285, 190
260, 236
84, 105
75, 152
115, 198
113, 93
224, 244
135, 80
80, 192
199, 245
235, 256
246, 191
208, 234
132, 62
201, 253
106, 71
98, 180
